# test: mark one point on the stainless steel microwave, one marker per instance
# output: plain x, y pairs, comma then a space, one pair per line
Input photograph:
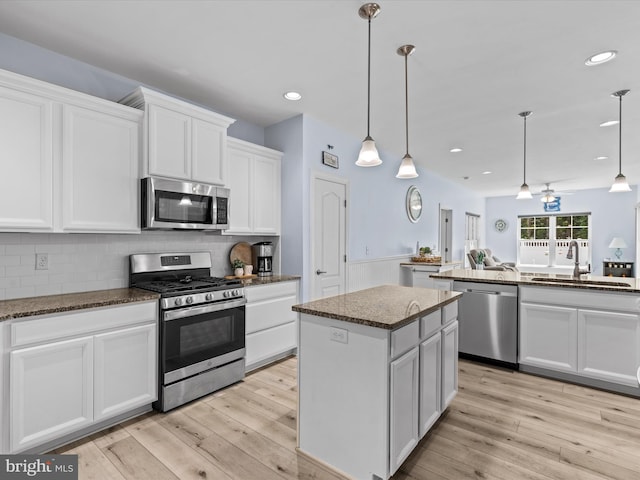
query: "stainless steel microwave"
176, 204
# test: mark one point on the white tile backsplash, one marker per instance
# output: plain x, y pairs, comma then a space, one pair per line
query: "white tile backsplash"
85, 262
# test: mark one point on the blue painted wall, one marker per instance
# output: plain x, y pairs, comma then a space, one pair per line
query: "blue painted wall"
612, 215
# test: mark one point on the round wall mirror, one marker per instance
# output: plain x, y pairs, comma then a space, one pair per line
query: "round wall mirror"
414, 204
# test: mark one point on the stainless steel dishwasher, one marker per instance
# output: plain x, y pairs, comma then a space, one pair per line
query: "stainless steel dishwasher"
488, 321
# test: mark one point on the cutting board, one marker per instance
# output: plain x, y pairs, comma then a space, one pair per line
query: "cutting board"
241, 251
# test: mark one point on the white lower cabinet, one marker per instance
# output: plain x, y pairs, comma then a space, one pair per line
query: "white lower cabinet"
59, 386
271, 327
124, 370
51, 391
548, 336
449, 363
430, 382
609, 346
586, 335
404, 409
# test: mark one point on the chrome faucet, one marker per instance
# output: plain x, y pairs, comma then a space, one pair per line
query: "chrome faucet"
576, 264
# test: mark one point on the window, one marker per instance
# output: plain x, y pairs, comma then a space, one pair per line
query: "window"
544, 240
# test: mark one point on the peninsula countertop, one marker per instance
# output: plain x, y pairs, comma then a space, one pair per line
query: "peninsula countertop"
386, 306
27, 307
586, 281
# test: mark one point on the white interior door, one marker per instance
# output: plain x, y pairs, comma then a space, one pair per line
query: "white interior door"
328, 237
446, 238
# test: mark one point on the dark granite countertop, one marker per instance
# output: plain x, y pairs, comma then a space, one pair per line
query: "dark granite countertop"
587, 281
27, 307
252, 282
386, 306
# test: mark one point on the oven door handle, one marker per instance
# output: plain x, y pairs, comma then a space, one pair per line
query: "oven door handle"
192, 311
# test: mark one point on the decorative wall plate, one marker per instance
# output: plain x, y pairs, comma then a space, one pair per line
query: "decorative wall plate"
500, 225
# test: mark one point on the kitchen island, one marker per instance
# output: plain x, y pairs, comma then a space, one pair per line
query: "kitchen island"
584, 330
376, 368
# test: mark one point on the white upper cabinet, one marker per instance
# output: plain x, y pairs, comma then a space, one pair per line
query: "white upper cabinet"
26, 161
181, 140
254, 181
69, 161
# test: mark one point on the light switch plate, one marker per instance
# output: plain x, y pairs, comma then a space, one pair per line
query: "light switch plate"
339, 335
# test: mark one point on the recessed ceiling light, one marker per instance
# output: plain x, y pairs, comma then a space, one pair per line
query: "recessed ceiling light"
293, 96
455, 150
601, 158
487, 172
600, 58
609, 123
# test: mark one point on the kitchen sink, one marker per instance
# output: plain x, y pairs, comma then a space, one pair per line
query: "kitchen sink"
576, 281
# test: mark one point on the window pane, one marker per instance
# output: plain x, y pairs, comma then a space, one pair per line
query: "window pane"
581, 221
581, 233
542, 222
563, 221
563, 233
526, 222
526, 233
542, 233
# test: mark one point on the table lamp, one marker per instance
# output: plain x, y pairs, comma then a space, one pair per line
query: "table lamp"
618, 243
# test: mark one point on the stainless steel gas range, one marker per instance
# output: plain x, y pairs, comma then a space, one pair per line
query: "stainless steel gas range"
202, 325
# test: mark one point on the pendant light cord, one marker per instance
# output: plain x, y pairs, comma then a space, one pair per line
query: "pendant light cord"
369, 78
406, 102
524, 179
620, 137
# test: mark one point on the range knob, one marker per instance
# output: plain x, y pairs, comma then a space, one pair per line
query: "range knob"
226, 293
189, 300
236, 293
208, 296
178, 302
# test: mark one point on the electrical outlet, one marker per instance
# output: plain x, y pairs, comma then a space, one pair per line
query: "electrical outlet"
339, 335
42, 261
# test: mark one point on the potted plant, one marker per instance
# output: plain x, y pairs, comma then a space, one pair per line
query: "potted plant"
425, 251
480, 261
238, 267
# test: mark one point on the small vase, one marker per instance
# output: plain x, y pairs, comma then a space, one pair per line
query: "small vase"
248, 270
479, 266
238, 272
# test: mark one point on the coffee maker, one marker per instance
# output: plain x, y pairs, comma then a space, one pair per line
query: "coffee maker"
263, 258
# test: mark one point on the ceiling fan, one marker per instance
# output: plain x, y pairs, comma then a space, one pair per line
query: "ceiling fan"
548, 195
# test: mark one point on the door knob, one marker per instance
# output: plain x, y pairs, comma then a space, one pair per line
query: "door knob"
320, 272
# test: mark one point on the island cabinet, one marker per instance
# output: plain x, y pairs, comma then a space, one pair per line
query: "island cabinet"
271, 325
75, 371
182, 140
368, 392
69, 161
591, 337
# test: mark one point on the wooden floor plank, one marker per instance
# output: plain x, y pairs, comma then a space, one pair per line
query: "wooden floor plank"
503, 425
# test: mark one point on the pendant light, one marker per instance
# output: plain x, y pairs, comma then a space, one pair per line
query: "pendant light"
620, 183
524, 193
548, 196
407, 168
368, 156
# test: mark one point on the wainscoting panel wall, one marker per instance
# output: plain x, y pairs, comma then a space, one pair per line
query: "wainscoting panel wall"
363, 274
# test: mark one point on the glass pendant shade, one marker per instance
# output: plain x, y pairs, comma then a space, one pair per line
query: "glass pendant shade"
620, 184
524, 193
407, 168
368, 156
548, 198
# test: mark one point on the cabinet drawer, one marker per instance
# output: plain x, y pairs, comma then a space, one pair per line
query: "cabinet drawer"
50, 327
449, 312
268, 343
430, 323
264, 292
404, 338
269, 313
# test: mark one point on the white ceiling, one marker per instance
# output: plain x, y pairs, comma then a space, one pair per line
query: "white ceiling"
477, 64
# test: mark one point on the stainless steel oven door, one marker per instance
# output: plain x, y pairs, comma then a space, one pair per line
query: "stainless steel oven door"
199, 338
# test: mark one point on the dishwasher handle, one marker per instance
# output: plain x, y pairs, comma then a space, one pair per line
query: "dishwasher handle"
490, 292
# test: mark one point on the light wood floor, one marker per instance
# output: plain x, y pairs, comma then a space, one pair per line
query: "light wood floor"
502, 425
